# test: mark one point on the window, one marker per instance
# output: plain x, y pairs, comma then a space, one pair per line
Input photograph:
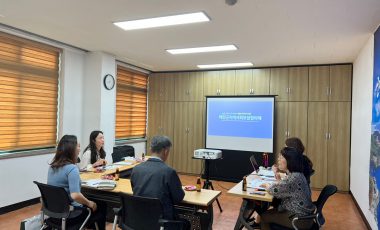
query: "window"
131, 96
28, 94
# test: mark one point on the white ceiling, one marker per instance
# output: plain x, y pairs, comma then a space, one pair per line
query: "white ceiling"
267, 32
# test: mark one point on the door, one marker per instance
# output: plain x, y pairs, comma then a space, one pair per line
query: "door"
340, 82
279, 83
260, 81
319, 83
243, 82
297, 120
298, 84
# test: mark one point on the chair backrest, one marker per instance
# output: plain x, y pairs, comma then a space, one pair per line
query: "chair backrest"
326, 192
254, 164
122, 151
140, 213
55, 200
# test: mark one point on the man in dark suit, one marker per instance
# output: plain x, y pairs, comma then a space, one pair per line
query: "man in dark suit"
154, 178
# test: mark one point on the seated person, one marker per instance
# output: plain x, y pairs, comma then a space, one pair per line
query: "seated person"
153, 178
293, 191
64, 173
296, 143
94, 154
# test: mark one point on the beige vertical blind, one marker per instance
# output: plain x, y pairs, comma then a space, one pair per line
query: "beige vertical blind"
131, 97
28, 94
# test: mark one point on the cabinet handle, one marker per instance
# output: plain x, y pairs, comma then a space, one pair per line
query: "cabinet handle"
327, 90
290, 90
326, 136
250, 91
253, 92
330, 90
329, 136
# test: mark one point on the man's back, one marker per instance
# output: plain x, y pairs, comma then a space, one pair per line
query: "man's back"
154, 178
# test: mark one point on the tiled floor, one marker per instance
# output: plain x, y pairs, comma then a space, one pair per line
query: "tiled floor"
340, 210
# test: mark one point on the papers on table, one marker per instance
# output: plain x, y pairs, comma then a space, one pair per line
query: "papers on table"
266, 173
257, 182
129, 158
100, 184
123, 163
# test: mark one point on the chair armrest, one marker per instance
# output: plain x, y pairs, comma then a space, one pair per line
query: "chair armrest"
308, 217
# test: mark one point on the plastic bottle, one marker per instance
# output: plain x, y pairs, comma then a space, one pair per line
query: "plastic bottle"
198, 186
244, 188
265, 160
143, 156
117, 174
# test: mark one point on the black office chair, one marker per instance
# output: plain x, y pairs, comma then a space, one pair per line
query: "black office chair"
56, 204
119, 152
317, 217
142, 213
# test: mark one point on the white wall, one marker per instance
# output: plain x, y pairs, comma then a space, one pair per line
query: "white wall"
361, 128
17, 174
84, 105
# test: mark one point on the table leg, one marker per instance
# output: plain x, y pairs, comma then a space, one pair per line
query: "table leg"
246, 210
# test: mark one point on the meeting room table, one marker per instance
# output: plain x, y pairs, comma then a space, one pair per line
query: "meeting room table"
196, 206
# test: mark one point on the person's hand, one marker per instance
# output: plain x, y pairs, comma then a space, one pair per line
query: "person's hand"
100, 162
93, 206
265, 185
274, 168
277, 176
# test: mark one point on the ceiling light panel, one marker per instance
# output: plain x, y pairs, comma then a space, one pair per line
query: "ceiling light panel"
202, 49
227, 65
163, 21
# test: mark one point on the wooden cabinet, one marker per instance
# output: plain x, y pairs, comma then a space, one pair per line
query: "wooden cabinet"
290, 84
329, 143
160, 121
252, 82
330, 83
279, 81
219, 83
189, 86
188, 135
291, 121
161, 87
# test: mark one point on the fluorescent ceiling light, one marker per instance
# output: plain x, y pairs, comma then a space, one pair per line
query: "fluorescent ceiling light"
242, 64
202, 49
163, 21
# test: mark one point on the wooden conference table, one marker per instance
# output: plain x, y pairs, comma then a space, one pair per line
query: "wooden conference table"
196, 206
250, 202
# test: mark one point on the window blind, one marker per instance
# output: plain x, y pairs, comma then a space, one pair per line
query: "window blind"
28, 94
131, 104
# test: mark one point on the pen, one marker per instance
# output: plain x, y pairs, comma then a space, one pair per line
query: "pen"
257, 193
260, 189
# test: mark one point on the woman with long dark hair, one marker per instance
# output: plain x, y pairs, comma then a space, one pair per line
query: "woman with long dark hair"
293, 191
94, 154
64, 173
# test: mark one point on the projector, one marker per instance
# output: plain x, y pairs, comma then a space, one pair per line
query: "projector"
207, 154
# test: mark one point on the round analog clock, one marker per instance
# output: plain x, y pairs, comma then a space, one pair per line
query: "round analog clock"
109, 81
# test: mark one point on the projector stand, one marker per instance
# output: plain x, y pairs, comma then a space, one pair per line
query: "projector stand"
207, 184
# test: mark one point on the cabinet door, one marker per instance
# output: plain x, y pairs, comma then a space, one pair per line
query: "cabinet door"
340, 82
167, 87
319, 83
195, 135
211, 83
298, 84
154, 87
339, 145
227, 82
279, 83
297, 120
243, 82
260, 81
317, 142
281, 124
196, 87
181, 117
167, 122
181, 86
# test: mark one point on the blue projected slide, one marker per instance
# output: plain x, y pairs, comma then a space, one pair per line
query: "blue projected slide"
240, 123
240, 118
